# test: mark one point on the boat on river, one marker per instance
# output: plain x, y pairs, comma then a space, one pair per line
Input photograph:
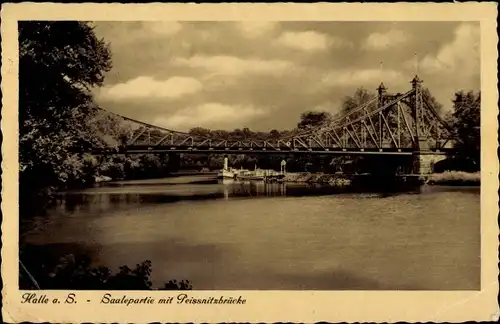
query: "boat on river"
226, 174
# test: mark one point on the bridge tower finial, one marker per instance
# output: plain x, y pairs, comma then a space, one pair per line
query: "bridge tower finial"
416, 82
381, 88
381, 93
416, 63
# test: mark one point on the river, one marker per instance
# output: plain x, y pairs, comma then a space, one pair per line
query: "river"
277, 236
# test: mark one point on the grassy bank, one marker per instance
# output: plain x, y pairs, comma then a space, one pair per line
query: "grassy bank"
332, 179
450, 178
455, 178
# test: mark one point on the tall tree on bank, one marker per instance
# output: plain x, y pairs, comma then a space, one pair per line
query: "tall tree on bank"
431, 100
59, 62
466, 123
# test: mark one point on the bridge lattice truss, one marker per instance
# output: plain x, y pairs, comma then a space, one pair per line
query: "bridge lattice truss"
388, 123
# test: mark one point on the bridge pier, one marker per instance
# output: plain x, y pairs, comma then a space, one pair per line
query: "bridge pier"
423, 162
424, 159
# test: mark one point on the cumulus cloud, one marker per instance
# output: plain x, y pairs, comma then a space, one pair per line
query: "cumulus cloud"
309, 41
460, 54
361, 77
328, 106
381, 41
284, 68
231, 65
210, 115
129, 32
256, 28
147, 87
167, 28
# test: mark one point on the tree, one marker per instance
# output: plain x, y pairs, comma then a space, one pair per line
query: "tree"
199, 131
274, 134
220, 134
429, 98
110, 129
360, 97
311, 119
247, 133
467, 127
76, 271
59, 62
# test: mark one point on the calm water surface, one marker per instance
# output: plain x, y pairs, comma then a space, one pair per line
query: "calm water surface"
256, 236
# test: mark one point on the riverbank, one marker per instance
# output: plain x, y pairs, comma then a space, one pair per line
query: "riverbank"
99, 179
332, 179
450, 178
455, 178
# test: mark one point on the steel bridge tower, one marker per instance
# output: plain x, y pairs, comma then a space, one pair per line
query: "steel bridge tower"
423, 157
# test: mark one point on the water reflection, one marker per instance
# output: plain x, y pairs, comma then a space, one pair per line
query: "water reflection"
120, 196
104, 198
251, 235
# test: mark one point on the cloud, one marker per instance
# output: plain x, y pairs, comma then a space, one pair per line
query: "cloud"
129, 33
167, 28
265, 65
231, 65
308, 41
254, 29
361, 77
460, 54
147, 87
382, 41
328, 106
210, 115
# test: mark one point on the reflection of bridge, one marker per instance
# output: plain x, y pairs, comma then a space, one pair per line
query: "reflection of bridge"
397, 124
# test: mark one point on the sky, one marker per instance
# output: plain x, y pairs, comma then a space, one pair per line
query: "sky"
263, 75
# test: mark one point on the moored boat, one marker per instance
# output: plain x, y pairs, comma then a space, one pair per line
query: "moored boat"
225, 174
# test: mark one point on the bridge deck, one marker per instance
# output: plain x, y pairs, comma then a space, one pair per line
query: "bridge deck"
228, 150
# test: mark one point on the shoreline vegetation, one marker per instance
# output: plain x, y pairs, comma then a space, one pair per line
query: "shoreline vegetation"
45, 270
454, 178
447, 178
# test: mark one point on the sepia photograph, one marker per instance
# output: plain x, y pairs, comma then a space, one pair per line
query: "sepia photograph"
249, 159
249, 155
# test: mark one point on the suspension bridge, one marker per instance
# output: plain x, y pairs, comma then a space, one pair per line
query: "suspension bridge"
388, 124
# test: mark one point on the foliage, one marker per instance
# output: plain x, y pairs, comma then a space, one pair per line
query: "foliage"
76, 272
58, 63
432, 101
110, 129
466, 124
236, 134
199, 131
136, 166
360, 96
455, 178
311, 119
